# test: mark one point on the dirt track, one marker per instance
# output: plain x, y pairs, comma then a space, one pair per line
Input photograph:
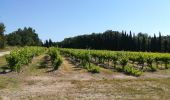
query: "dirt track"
4, 53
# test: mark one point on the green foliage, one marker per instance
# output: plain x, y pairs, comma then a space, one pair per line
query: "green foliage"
48, 43
149, 61
123, 62
130, 70
157, 59
118, 41
24, 37
22, 56
2, 28
55, 57
93, 68
141, 60
138, 59
114, 59
166, 61
84, 57
57, 62
2, 37
153, 68
87, 56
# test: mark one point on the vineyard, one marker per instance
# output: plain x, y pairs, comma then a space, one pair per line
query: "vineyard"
133, 63
23, 56
40, 73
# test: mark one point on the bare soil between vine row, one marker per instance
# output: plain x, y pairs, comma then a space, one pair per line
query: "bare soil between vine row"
73, 83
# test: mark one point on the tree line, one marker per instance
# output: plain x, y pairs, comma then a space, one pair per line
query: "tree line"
108, 40
20, 37
114, 40
49, 43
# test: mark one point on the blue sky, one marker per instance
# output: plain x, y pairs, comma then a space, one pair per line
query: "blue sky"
58, 19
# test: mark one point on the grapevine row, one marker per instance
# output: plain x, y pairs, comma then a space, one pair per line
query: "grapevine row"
55, 57
133, 63
83, 57
22, 56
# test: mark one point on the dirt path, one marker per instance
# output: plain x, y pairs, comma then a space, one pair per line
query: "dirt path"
4, 53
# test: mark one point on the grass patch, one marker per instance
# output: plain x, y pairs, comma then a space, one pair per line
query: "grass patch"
2, 61
7, 82
107, 71
3, 64
163, 72
36, 67
33, 69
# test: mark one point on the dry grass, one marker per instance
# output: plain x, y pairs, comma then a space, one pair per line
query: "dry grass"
133, 89
8, 82
2, 61
3, 64
123, 89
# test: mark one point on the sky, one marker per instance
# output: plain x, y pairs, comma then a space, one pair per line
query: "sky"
59, 19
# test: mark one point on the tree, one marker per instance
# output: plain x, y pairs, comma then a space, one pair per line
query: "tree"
2, 37
13, 39
50, 43
165, 46
46, 43
154, 43
24, 37
143, 43
160, 42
